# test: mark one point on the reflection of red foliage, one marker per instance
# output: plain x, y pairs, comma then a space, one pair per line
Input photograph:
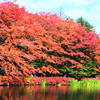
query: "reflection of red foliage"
98, 96
31, 92
49, 93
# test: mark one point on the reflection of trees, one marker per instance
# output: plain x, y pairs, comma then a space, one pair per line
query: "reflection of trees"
31, 93
80, 95
98, 96
50, 93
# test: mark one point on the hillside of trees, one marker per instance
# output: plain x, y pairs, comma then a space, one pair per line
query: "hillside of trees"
43, 44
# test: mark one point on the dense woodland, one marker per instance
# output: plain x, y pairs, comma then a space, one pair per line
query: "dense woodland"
43, 44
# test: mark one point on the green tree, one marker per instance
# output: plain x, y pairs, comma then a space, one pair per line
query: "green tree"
85, 23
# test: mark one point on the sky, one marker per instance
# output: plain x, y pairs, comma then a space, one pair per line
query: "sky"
88, 9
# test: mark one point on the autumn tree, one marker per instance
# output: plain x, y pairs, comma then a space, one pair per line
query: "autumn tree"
14, 53
97, 53
26, 38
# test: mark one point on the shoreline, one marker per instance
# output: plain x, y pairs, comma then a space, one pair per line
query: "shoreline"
32, 81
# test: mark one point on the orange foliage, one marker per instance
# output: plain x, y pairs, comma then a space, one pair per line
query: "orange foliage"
50, 69
97, 51
25, 37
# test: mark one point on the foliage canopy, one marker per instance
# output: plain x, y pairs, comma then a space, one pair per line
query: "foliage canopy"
27, 38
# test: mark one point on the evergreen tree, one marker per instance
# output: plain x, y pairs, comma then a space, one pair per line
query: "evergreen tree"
85, 23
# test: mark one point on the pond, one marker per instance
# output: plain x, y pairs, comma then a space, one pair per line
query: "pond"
48, 93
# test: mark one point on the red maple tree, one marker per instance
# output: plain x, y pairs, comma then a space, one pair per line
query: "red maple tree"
25, 37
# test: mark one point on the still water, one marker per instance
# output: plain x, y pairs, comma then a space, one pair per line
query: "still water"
48, 93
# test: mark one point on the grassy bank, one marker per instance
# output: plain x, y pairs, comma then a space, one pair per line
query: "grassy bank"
85, 84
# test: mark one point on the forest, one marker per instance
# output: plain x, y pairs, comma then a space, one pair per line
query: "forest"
43, 44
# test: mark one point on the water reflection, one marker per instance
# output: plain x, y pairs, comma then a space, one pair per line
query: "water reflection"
48, 93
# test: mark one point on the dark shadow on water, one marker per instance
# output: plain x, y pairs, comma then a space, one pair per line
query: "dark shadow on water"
48, 93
